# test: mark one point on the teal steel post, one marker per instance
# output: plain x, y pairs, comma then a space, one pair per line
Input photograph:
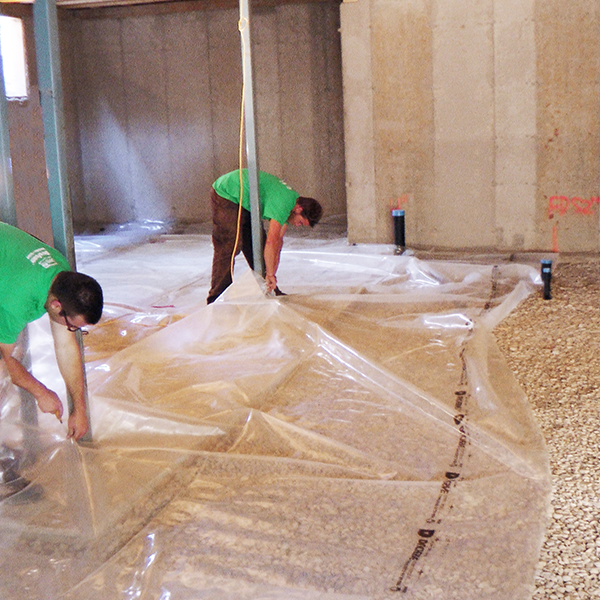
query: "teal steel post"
8, 213
45, 24
251, 151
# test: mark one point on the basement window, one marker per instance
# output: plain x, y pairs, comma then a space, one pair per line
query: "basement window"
14, 65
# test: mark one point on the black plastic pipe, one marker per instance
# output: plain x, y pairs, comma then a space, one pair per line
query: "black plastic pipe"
546, 277
399, 233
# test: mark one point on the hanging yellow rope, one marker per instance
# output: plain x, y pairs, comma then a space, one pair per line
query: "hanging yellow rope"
242, 24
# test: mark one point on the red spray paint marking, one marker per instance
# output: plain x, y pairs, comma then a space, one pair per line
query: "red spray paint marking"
398, 203
555, 237
562, 204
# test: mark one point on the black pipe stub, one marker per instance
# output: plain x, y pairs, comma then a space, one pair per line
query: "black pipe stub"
399, 232
546, 266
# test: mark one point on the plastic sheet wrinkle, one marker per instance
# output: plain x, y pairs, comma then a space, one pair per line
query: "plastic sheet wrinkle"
360, 438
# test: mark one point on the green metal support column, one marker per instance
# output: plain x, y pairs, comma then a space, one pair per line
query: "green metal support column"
8, 213
45, 24
251, 152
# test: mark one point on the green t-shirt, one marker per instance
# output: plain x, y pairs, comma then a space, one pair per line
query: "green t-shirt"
277, 198
27, 269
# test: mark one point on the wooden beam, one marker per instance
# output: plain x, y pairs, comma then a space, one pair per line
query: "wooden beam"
116, 8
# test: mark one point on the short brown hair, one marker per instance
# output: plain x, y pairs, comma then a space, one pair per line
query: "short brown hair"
78, 294
311, 209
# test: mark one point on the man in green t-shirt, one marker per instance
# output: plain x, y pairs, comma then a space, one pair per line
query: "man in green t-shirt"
280, 205
34, 279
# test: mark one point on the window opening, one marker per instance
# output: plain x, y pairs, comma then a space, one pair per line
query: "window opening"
14, 65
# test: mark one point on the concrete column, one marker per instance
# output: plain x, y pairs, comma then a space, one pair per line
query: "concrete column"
515, 120
461, 212
145, 77
358, 121
404, 115
225, 86
103, 121
568, 113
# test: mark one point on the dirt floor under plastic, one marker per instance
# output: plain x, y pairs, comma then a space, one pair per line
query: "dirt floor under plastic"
358, 438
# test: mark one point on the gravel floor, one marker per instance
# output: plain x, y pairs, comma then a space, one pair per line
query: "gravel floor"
553, 348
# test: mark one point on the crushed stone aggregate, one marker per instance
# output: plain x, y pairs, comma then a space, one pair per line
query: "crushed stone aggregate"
553, 348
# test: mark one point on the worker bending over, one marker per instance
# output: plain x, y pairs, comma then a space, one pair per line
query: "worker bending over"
35, 278
280, 205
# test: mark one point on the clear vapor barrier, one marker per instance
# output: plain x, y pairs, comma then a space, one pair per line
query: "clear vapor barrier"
358, 438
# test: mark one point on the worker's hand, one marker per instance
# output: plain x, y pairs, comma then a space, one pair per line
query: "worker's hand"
271, 282
78, 425
49, 402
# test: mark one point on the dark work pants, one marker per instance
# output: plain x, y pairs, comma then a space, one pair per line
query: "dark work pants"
224, 217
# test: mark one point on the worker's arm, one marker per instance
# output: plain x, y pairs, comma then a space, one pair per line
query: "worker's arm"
68, 357
272, 252
46, 399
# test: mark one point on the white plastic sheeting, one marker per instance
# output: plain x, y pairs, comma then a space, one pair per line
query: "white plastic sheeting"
360, 438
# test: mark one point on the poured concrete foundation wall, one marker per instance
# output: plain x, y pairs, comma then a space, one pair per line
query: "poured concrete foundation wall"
568, 116
478, 117
157, 101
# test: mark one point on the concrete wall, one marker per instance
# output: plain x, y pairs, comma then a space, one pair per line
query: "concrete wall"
156, 102
478, 117
568, 117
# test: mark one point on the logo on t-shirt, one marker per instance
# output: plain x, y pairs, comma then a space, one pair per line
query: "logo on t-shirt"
41, 257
